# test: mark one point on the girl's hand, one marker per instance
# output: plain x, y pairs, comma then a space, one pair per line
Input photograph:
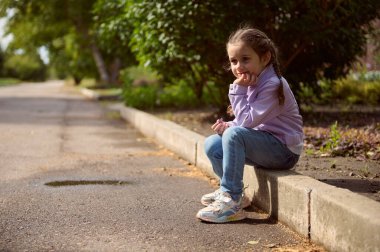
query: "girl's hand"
246, 79
220, 126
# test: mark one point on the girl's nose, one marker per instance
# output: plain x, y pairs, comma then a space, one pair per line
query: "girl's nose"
239, 66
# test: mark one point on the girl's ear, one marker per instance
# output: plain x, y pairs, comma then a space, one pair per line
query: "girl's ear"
227, 66
267, 57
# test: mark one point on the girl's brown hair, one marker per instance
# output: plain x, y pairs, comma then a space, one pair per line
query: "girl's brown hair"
261, 44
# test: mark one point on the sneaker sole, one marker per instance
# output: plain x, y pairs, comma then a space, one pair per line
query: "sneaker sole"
246, 203
241, 215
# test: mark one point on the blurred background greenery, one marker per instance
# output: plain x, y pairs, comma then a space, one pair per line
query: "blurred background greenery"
171, 53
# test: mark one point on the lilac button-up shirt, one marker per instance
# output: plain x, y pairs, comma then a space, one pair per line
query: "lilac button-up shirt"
257, 107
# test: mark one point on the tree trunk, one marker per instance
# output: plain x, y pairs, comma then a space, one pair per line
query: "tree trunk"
82, 28
77, 80
114, 70
100, 64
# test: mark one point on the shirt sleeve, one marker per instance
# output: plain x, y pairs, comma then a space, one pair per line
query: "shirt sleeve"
254, 108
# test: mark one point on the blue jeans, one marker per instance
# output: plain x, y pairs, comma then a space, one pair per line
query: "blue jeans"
239, 146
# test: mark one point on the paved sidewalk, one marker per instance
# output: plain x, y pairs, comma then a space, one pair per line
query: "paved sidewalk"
76, 177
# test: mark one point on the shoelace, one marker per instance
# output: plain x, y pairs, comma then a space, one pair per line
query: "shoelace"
217, 204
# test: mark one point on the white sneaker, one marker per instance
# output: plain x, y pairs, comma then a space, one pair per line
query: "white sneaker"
223, 209
209, 198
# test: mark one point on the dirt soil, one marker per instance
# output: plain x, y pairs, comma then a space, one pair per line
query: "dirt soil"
354, 164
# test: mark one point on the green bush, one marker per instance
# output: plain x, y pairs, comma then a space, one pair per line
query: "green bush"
143, 89
306, 95
357, 91
356, 88
139, 76
180, 95
367, 76
140, 97
25, 67
140, 87
8, 81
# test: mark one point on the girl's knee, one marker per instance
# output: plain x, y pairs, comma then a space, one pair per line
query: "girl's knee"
232, 133
212, 143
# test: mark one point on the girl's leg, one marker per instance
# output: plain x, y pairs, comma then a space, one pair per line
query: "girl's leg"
214, 152
241, 145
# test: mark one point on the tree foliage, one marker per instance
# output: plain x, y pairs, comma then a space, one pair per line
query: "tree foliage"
184, 41
112, 35
322, 39
316, 39
46, 23
68, 29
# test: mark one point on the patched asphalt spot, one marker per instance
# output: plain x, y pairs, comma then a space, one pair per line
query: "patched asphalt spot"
61, 183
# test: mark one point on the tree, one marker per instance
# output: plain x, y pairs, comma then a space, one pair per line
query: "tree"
66, 28
184, 41
112, 35
317, 39
320, 39
70, 58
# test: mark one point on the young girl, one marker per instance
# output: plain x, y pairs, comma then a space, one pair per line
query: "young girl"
267, 129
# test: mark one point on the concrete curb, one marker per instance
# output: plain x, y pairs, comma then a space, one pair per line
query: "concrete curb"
96, 96
337, 218
90, 93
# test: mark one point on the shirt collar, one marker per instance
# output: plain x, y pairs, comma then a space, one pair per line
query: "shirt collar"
267, 71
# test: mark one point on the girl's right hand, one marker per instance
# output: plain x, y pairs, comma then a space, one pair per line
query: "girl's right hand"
220, 126
246, 79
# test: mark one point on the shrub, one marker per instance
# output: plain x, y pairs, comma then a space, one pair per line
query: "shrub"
356, 88
8, 81
140, 97
357, 91
25, 67
144, 89
187, 40
180, 95
140, 87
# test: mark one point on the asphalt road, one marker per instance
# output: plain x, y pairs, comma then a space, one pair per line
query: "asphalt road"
75, 177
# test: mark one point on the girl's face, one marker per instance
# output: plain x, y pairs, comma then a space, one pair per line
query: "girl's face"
244, 60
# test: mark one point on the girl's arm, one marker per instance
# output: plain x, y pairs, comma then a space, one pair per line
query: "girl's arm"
256, 108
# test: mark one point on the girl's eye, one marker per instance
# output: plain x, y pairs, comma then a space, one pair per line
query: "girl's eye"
233, 61
245, 59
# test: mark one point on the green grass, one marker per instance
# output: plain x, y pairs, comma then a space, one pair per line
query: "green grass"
8, 81
108, 92
88, 83
102, 90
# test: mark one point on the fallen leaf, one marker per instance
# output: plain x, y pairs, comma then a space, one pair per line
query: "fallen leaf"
253, 242
370, 153
272, 245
